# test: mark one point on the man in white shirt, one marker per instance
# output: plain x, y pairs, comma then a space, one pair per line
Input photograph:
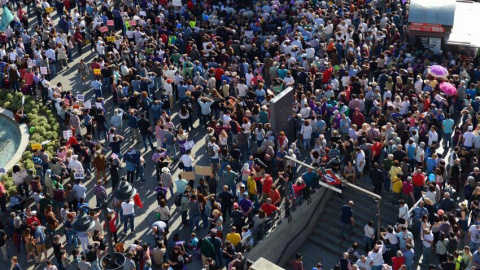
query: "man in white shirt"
79, 190
187, 161
468, 138
128, 208
375, 257
50, 54
242, 88
427, 241
213, 152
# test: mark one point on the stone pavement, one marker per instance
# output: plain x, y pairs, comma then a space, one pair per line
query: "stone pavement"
146, 216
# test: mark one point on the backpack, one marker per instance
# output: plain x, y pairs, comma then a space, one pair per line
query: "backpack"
178, 200
211, 151
161, 194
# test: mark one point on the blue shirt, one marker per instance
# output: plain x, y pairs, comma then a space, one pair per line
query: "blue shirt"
40, 235
181, 185
471, 92
96, 85
345, 125
409, 255
431, 164
448, 125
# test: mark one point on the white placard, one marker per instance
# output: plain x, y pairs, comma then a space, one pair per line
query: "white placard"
80, 97
114, 156
249, 33
189, 145
87, 105
177, 3
78, 175
67, 134
46, 142
99, 105
2, 171
142, 13
32, 63
43, 70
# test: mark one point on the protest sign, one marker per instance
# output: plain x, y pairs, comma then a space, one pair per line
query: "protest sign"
111, 39
189, 145
97, 71
36, 146
80, 97
43, 70
110, 23
104, 29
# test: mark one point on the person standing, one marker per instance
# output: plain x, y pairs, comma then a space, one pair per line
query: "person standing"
427, 241
447, 128
348, 221
145, 131
128, 209
40, 241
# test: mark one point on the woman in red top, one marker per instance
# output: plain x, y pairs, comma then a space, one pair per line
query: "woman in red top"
398, 261
112, 217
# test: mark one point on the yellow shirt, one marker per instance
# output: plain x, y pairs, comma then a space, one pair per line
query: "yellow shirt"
397, 185
251, 185
394, 171
234, 238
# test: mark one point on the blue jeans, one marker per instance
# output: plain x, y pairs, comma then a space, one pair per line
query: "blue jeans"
306, 143
72, 238
53, 69
426, 255
140, 173
98, 93
126, 220
194, 222
106, 83
70, 55
474, 246
146, 137
448, 139
184, 217
171, 151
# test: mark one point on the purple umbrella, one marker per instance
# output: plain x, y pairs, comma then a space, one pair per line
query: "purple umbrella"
438, 71
448, 88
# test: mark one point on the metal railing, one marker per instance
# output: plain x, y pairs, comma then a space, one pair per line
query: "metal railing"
283, 213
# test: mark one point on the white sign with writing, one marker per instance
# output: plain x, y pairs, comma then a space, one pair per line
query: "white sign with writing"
78, 175
87, 105
177, 3
80, 97
189, 145
67, 134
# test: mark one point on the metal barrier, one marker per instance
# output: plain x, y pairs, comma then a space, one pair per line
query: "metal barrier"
284, 213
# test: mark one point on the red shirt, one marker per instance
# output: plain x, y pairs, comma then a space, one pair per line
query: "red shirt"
111, 224
274, 195
268, 209
267, 184
397, 262
407, 188
376, 147
29, 78
418, 180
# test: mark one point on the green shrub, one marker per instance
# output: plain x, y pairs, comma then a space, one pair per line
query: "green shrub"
46, 128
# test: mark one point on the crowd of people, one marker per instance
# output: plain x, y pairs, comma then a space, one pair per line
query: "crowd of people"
363, 95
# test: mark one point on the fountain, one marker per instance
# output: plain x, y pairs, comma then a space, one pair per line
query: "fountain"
13, 139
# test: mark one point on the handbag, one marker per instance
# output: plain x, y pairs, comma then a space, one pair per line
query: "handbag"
181, 166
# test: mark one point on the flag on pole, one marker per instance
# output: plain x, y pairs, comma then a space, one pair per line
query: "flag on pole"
7, 18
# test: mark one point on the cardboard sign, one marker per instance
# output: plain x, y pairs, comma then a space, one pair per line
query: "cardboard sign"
133, 23
99, 105
2, 171
49, 9
32, 63
78, 175
104, 29
43, 70
36, 146
177, 3
203, 170
87, 105
188, 175
97, 71
111, 39
67, 134
189, 145
76, 105
80, 97
110, 23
